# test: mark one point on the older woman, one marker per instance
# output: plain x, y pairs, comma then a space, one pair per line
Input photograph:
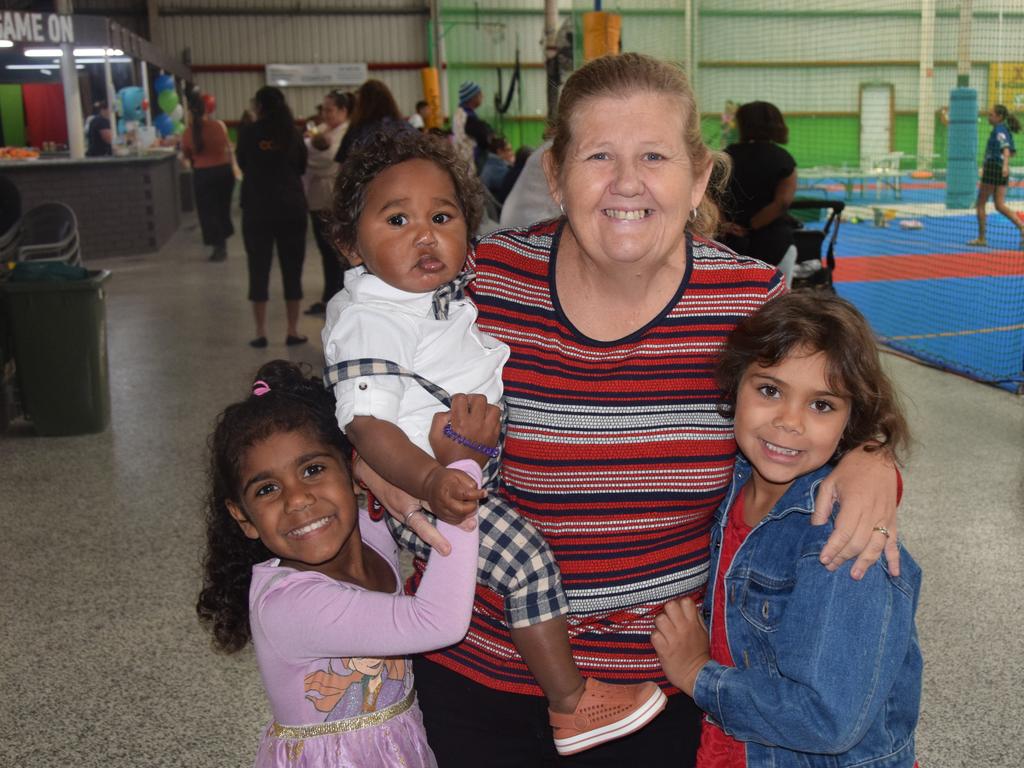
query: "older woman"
615, 450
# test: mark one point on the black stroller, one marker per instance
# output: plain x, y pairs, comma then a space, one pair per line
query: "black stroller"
814, 267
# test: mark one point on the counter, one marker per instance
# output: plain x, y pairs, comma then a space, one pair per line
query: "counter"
124, 205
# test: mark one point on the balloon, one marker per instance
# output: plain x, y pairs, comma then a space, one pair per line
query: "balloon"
177, 113
163, 83
163, 124
167, 100
179, 127
210, 101
130, 102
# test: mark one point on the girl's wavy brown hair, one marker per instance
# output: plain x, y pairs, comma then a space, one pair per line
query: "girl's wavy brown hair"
808, 322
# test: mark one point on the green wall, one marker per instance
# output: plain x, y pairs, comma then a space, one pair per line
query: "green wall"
833, 140
12, 115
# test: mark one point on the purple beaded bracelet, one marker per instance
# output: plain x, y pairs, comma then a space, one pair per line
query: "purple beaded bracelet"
451, 434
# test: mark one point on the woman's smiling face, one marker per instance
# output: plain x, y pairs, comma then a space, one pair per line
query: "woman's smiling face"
627, 184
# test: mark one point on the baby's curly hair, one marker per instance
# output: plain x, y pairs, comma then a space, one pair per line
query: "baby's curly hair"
384, 149
294, 402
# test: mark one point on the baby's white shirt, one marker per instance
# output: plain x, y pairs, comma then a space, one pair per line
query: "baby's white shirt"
371, 319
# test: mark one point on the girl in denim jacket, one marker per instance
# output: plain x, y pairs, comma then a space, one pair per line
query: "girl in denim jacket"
804, 667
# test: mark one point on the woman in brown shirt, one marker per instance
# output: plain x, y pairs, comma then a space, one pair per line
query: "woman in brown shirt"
207, 147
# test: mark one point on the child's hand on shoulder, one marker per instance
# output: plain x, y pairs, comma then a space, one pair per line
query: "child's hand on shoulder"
681, 642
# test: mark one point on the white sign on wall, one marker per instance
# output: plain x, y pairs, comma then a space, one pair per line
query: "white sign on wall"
284, 75
36, 27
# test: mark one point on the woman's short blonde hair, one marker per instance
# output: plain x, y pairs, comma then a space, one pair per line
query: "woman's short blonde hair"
621, 76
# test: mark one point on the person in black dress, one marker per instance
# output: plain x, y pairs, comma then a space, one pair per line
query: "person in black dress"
272, 156
762, 185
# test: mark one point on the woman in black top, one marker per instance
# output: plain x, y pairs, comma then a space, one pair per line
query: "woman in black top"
375, 110
762, 185
272, 157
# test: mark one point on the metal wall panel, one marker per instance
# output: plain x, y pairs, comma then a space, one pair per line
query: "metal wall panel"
296, 39
289, 7
234, 90
481, 41
863, 39
829, 6
281, 39
110, 7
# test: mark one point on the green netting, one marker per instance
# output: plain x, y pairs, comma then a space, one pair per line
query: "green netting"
886, 103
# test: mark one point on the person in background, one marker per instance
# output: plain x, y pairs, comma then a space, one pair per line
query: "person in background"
472, 135
729, 134
207, 147
316, 119
322, 145
995, 171
498, 171
375, 110
88, 121
100, 137
530, 199
761, 187
272, 157
419, 118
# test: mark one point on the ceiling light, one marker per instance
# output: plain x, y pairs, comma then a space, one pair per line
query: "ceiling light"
45, 67
44, 53
98, 52
6, 44
121, 60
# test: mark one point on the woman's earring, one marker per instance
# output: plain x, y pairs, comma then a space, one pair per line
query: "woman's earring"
693, 215
561, 207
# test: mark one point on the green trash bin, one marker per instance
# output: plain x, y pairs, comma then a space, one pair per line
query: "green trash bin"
60, 352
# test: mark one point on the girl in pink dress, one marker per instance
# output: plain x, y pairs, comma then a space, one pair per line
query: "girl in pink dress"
294, 565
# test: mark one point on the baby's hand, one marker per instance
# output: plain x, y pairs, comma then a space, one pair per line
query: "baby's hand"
474, 419
681, 642
452, 495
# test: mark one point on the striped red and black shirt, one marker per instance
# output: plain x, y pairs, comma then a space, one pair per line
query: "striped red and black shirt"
615, 450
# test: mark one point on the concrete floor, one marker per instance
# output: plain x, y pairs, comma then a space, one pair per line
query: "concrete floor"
103, 662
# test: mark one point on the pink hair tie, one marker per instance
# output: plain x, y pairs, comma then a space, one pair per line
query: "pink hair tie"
260, 387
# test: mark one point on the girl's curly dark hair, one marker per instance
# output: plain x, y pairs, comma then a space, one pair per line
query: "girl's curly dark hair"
821, 323
294, 402
391, 147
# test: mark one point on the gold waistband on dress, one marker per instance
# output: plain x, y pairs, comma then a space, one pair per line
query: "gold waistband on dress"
340, 726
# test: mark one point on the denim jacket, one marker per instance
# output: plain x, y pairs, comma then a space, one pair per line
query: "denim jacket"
828, 669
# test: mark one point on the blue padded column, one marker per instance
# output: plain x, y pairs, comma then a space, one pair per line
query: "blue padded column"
962, 169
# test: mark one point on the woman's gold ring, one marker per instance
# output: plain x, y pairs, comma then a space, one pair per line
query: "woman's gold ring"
408, 517
882, 530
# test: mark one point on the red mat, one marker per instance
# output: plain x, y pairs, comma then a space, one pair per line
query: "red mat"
992, 263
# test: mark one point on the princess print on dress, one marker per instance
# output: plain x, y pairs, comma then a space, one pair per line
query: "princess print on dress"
369, 685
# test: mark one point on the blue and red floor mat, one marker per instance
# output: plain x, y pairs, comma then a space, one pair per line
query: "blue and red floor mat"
929, 294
